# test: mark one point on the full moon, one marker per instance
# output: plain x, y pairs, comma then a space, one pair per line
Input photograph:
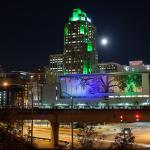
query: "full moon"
104, 41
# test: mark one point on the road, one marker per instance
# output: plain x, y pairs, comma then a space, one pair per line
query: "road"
141, 131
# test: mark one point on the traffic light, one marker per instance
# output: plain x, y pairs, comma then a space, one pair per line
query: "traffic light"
137, 117
121, 118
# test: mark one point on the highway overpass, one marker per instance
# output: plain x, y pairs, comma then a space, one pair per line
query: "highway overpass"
56, 116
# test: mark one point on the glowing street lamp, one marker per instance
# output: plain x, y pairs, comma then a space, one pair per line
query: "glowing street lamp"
5, 84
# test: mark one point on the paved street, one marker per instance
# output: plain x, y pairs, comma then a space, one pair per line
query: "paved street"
141, 132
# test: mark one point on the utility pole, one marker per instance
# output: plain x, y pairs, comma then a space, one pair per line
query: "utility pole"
72, 122
56, 93
32, 114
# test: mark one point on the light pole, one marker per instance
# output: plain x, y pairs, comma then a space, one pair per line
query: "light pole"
56, 93
31, 92
72, 122
71, 118
32, 118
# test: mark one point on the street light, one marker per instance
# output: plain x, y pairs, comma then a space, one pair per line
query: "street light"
72, 122
72, 117
5, 84
31, 90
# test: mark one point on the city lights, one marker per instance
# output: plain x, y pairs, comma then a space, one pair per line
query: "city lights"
121, 118
5, 84
137, 117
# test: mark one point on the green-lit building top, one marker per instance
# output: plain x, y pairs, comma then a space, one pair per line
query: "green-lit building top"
80, 54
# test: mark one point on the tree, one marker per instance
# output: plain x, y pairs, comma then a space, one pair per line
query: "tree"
112, 83
123, 140
86, 137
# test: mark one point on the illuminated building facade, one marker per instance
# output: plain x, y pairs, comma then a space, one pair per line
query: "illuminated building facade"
38, 74
11, 95
36, 81
20, 88
101, 85
56, 63
137, 66
102, 88
80, 54
109, 67
11, 91
134, 66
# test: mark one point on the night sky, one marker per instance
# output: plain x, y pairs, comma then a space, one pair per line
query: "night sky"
31, 30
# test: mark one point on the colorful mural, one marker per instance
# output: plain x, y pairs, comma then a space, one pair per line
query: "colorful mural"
99, 85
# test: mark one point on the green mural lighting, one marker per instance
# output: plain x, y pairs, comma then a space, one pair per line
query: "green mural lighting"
132, 83
89, 47
130, 88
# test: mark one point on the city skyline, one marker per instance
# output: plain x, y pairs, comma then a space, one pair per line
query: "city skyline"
32, 31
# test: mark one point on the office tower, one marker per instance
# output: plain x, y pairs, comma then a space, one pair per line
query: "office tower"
80, 54
56, 63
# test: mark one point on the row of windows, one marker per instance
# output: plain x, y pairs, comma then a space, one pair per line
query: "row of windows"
107, 66
58, 62
75, 34
83, 41
74, 49
90, 35
75, 61
56, 59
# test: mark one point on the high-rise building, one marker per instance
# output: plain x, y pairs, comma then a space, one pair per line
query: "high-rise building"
56, 63
80, 54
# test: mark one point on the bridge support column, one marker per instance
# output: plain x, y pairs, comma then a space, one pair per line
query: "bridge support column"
54, 134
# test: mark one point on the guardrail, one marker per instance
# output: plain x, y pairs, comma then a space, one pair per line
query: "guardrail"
75, 108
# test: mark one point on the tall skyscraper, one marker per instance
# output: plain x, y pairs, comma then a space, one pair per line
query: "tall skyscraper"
80, 54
